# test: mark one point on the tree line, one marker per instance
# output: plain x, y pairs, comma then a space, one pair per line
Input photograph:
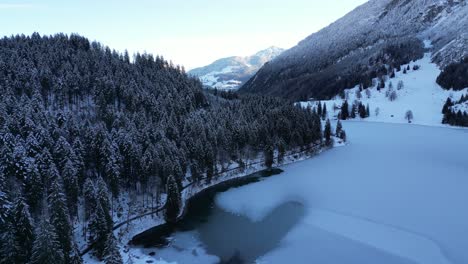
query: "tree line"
452, 116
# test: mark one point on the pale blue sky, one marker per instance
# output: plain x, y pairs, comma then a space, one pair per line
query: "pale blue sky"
192, 33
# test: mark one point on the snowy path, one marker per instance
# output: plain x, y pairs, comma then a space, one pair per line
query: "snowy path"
399, 189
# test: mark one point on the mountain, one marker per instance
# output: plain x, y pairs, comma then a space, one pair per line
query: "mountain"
368, 42
232, 72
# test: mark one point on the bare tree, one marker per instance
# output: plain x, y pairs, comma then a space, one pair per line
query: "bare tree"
368, 93
393, 96
358, 95
400, 85
409, 116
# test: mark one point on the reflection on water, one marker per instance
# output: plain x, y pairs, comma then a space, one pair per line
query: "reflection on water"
236, 239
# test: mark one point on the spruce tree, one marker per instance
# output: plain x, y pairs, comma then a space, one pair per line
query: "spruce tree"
447, 105
89, 194
4, 200
345, 110
327, 133
59, 217
339, 127
34, 189
319, 108
70, 182
23, 231
46, 247
353, 111
111, 251
174, 200
98, 230
102, 197
324, 111
269, 156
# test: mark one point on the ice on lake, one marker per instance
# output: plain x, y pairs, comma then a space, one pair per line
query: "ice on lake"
395, 194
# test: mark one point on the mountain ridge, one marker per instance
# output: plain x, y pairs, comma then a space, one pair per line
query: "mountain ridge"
231, 72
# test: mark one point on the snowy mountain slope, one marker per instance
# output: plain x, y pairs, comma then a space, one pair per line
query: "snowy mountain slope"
232, 72
420, 94
356, 46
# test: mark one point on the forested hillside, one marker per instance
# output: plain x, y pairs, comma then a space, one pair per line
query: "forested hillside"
371, 41
81, 125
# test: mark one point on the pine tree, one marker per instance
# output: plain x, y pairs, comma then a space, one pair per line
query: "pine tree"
339, 127
102, 195
327, 133
269, 156
111, 252
16, 233
367, 110
89, 194
70, 182
362, 110
447, 105
319, 108
353, 111
112, 169
59, 217
344, 110
98, 230
4, 201
33, 189
174, 200
409, 116
46, 247
281, 151
74, 256
23, 230
324, 111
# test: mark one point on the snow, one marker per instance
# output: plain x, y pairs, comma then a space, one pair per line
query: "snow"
421, 94
229, 73
186, 249
395, 194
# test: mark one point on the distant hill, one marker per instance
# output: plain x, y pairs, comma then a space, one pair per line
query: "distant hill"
231, 73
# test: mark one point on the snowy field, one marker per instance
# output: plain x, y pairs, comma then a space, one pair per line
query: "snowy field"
420, 94
396, 194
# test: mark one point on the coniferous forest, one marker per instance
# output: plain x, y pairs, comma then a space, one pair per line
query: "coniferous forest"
82, 125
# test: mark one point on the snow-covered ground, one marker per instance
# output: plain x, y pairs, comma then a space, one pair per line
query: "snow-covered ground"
420, 94
395, 194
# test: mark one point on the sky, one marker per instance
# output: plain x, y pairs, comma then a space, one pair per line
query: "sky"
190, 33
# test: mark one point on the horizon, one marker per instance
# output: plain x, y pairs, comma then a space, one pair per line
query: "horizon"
193, 36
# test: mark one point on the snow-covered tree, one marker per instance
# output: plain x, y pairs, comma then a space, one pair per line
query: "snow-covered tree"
173, 202
46, 247
59, 217
400, 85
327, 133
409, 116
21, 238
111, 251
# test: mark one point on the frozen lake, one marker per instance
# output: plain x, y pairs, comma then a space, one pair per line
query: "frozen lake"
395, 194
